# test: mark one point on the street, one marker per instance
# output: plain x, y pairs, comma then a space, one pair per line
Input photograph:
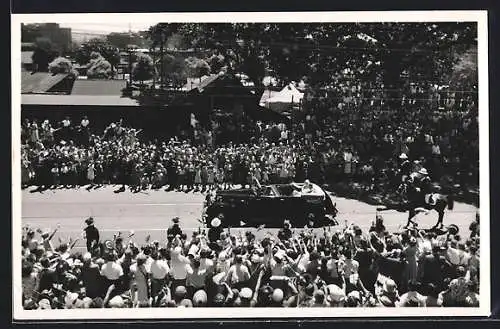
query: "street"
150, 212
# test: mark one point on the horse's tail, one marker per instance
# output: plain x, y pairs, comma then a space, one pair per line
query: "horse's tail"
450, 202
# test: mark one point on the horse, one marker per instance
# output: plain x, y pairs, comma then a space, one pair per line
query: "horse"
418, 203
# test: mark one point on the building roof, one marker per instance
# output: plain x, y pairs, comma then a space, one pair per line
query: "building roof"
26, 57
39, 82
267, 94
88, 100
98, 87
201, 83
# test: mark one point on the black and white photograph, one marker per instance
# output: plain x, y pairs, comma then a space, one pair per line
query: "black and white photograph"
182, 165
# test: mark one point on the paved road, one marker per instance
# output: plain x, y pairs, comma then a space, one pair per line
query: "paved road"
150, 212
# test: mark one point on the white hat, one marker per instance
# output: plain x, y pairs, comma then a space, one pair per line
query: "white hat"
277, 295
423, 171
335, 293
70, 299
246, 293
403, 156
116, 302
355, 294
87, 256
87, 301
44, 304
390, 285
200, 298
215, 222
77, 262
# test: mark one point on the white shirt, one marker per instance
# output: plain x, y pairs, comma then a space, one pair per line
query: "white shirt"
206, 264
148, 263
350, 267
112, 271
412, 295
453, 256
180, 268
238, 273
159, 269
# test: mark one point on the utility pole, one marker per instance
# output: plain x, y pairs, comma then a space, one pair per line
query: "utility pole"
130, 67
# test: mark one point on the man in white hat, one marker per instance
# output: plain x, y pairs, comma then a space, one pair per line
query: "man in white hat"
404, 167
215, 229
420, 183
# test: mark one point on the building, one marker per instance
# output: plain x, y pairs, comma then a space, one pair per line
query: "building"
60, 37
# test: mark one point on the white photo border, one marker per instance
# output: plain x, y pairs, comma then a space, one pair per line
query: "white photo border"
478, 16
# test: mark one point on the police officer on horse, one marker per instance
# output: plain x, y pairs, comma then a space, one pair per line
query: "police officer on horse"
404, 167
420, 186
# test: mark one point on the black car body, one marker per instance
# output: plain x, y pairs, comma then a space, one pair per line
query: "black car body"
271, 205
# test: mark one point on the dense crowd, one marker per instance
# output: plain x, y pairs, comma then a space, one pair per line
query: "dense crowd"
341, 267
328, 146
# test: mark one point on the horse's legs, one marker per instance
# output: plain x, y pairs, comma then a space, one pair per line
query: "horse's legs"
411, 214
440, 219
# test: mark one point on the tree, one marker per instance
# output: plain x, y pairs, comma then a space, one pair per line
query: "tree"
175, 72
143, 69
110, 53
98, 67
464, 75
61, 65
196, 68
216, 62
43, 54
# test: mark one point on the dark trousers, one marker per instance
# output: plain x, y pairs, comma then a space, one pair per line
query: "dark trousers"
156, 286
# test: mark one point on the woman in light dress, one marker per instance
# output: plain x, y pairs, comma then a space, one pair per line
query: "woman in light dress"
140, 282
197, 178
210, 178
91, 173
411, 253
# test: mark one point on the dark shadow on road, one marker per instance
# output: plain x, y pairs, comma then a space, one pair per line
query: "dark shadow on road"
39, 189
120, 190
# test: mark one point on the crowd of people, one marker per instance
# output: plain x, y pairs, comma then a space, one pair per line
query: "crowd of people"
327, 146
355, 130
336, 267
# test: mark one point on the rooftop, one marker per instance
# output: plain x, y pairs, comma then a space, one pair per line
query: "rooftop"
89, 100
39, 82
98, 87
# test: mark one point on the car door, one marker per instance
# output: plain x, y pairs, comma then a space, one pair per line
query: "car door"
262, 207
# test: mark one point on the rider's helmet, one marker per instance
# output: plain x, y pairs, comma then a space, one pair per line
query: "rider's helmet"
403, 156
423, 172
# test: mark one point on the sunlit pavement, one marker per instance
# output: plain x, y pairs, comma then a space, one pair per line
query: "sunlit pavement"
150, 213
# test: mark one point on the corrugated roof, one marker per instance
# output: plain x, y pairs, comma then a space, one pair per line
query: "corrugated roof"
26, 57
98, 87
39, 82
89, 100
